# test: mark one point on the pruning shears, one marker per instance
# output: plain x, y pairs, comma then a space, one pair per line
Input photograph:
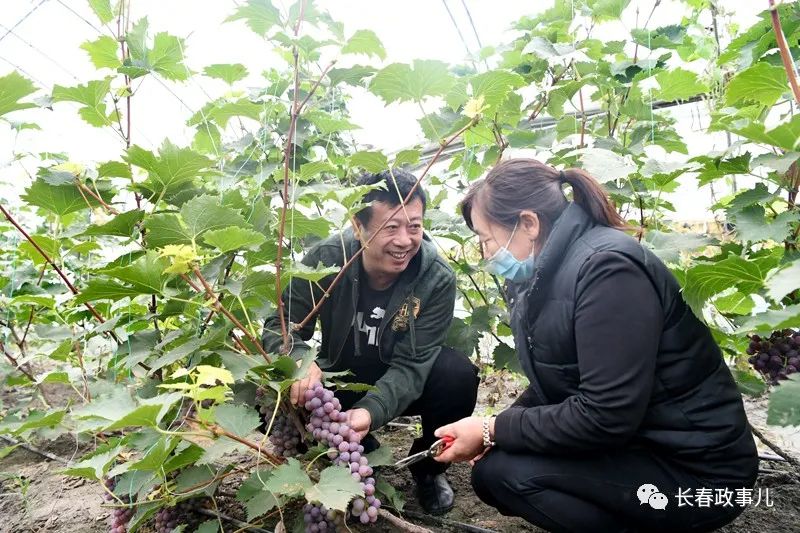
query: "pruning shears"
435, 450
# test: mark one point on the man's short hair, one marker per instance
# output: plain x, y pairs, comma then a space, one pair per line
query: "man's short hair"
398, 184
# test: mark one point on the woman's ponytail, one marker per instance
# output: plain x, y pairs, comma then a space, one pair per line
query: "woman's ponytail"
590, 195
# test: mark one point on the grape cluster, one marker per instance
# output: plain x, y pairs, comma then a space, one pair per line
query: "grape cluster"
328, 425
776, 357
120, 516
284, 436
319, 519
169, 518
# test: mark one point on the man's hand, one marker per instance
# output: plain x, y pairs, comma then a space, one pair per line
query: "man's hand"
359, 421
468, 443
299, 387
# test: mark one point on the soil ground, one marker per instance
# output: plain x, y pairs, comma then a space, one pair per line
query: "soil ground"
35, 497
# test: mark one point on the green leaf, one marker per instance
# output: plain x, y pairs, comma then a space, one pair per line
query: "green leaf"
171, 168
222, 111
103, 52
198, 479
327, 123
50, 246
95, 466
364, 42
785, 136
394, 497
494, 86
122, 225
177, 353
505, 356
165, 228
400, 82
39, 420
34, 299
13, 88
671, 36
241, 420
784, 403
102, 8
607, 9
156, 454
146, 274
736, 303
59, 199
166, 57
354, 75
253, 485
335, 489
406, 158
227, 72
545, 49
142, 416
104, 290
753, 226
749, 383
314, 274
234, 238
603, 164
784, 281
259, 15
116, 169
679, 84
91, 96
707, 279
370, 161
315, 168
772, 320
762, 83
668, 246
289, 479
205, 213
380, 457
110, 406
301, 225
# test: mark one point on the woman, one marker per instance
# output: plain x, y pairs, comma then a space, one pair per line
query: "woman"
630, 402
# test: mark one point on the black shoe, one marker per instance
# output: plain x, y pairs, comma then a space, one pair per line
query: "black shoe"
434, 493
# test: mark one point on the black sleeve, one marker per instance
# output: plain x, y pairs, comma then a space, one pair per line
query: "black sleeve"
618, 321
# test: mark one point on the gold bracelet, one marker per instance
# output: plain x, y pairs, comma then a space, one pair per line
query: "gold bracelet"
487, 441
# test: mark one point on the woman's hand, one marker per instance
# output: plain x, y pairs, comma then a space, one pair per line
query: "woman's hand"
468, 443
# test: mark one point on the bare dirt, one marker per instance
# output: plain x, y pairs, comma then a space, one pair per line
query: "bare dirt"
35, 497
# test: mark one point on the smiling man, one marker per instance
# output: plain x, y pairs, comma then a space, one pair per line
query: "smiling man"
386, 322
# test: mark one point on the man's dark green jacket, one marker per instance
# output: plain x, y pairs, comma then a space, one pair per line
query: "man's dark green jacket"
410, 335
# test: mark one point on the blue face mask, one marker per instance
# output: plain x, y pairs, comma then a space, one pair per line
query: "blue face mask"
504, 264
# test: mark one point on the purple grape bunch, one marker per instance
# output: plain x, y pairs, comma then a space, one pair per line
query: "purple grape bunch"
169, 518
319, 519
120, 516
284, 436
776, 357
328, 425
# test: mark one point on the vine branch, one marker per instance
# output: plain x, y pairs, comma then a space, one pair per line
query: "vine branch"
786, 55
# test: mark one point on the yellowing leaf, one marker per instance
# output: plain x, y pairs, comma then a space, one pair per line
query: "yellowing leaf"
474, 107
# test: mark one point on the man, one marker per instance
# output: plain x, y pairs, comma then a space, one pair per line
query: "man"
385, 322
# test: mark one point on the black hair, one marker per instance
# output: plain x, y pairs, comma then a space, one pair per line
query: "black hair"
398, 183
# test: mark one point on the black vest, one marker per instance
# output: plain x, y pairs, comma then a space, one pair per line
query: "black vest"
695, 414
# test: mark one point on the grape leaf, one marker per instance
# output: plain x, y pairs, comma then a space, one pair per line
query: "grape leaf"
102, 8
370, 161
753, 226
50, 246
736, 303
289, 479
300, 225
259, 15
165, 228
234, 238
505, 356
762, 82
103, 52
146, 274
603, 164
380, 457
171, 168
95, 466
364, 42
707, 279
772, 320
784, 403
13, 88
351, 76
315, 274
122, 225
116, 169
668, 246
240, 420
227, 72
60, 199
335, 489
400, 82
205, 213
679, 84
91, 95
784, 281
785, 136
494, 87
749, 383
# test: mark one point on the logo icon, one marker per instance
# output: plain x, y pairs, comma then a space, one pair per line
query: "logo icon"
649, 494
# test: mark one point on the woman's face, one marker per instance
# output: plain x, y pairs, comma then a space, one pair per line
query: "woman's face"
493, 236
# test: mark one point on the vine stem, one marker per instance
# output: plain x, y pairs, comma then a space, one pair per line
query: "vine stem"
220, 432
87, 190
60, 272
400, 207
15, 363
403, 525
774, 447
786, 56
222, 309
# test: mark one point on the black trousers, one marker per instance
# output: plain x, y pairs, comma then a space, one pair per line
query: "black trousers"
598, 491
449, 395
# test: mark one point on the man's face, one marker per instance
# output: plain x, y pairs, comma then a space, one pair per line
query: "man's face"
395, 245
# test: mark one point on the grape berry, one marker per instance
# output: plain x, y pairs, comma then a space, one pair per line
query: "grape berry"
776, 357
120, 516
